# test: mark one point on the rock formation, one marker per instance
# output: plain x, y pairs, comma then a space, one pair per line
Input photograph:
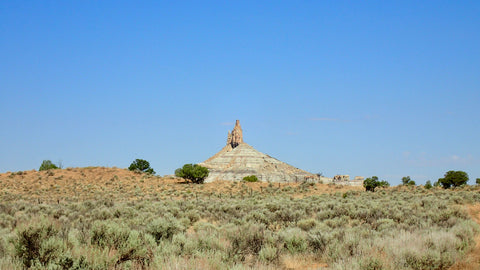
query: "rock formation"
236, 137
238, 159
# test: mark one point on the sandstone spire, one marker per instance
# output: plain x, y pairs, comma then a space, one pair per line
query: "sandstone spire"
236, 136
238, 159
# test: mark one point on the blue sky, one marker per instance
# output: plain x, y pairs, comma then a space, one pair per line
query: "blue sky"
385, 88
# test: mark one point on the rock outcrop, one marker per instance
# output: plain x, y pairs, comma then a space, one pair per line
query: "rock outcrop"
236, 137
238, 159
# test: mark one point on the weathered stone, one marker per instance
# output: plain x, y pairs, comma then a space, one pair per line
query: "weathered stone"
238, 159
236, 137
359, 178
340, 178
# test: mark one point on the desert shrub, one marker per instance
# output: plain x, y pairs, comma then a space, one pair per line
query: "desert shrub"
37, 243
102, 214
336, 222
180, 244
193, 216
428, 184
137, 248
260, 216
306, 224
428, 260
286, 215
66, 262
371, 263
141, 165
47, 165
269, 254
207, 241
108, 234
465, 231
317, 241
3, 246
192, 172
6, 221
295, 240
164, 228
131, 246
50, 250
251, 178
385, 224
246, 239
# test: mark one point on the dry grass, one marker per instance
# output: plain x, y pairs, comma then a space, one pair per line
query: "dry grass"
264, 225
472, 260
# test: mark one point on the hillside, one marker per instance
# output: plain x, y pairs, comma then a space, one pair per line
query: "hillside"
73, 184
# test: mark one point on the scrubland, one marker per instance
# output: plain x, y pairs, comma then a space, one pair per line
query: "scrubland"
107, 218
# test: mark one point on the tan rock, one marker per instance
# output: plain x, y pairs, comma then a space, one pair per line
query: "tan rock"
238, 159
236, 137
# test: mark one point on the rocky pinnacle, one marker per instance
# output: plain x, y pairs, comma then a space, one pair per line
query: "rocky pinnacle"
237, 159
236, 136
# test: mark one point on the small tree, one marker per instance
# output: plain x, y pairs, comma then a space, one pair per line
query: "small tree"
428, 185
251, 178
406, 181
193, 172
47, 165
454, 179
477, 181
383, 183
141, 165
372, 182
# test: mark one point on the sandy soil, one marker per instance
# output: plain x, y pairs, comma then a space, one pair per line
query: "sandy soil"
120, 184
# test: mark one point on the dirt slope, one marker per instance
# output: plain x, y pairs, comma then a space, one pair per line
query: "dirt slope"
74, 184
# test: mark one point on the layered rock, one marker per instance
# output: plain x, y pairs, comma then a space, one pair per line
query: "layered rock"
238, 159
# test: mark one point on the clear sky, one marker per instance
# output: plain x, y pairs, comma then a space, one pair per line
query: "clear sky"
385, 88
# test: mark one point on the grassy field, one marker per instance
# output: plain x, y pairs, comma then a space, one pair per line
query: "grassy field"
109, 218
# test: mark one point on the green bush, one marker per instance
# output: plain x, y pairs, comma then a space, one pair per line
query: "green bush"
372, 182
406, 181
47, 165
251, 178
453, 179
192, 172
428, 185
141, 165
